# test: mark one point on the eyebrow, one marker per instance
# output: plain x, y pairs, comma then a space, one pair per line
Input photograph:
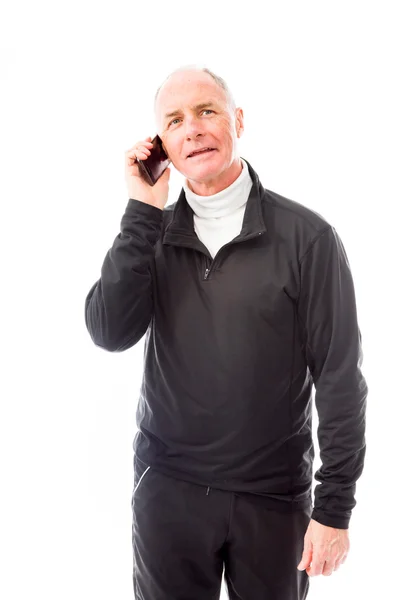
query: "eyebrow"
197, 107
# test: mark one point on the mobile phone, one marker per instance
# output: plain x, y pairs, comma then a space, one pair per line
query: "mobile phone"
155, 164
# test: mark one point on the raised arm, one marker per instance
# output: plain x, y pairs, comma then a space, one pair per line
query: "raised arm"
119, 306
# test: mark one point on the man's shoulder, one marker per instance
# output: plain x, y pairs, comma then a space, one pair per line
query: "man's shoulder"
288, 212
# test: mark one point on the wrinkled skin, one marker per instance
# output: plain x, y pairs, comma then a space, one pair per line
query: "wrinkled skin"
325, 549
218, 127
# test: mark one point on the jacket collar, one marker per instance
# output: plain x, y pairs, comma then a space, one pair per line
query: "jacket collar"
180, 229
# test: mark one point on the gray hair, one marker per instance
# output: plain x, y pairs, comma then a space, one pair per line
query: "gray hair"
221, 82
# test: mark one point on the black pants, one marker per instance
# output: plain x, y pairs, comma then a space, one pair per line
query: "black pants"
185, 535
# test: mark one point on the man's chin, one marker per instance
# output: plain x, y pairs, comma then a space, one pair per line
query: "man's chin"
200, 172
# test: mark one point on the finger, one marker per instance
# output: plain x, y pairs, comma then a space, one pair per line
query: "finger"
139, 146
131, 160
145, 141
143, 155
143, 145
328, 569
317, 566
305, 560
340, 561
166, 174
137, 149
143, 149
140, 155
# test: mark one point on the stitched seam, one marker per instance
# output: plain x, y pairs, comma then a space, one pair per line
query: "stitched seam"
311, 245
305, 342
288, 454
230, 516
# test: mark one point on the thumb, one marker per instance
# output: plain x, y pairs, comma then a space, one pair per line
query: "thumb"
305, 559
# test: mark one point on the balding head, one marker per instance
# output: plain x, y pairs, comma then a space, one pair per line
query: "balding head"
194, 109
196, 74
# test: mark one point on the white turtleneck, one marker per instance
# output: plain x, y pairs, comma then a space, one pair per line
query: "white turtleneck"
218, 218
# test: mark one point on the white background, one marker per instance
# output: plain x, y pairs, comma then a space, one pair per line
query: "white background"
318, 84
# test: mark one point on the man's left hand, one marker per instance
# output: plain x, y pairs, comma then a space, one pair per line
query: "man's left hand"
325, 547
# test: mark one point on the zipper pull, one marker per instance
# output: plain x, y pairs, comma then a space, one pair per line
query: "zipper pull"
206, 273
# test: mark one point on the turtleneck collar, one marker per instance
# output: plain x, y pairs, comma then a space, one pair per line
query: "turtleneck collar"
224, 202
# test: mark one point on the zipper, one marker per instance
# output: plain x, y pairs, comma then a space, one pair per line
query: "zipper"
140, 480
209, 269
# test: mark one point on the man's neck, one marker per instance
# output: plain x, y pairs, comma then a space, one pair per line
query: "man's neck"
209, 188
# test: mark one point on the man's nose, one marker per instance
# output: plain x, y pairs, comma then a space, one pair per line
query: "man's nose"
193, 128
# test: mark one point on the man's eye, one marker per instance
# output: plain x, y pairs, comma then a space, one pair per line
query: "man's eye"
177, 118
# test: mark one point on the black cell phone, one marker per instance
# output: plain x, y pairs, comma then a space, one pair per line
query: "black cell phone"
155, 164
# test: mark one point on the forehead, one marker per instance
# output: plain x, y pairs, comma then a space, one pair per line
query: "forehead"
186, 89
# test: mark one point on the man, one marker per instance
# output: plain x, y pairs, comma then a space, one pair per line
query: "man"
247, 300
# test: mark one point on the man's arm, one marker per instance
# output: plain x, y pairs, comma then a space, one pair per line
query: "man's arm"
328, 317
119, 306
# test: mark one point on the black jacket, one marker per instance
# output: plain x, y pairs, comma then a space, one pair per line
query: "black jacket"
233, 347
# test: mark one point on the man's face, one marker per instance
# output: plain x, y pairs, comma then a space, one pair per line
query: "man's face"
192, 127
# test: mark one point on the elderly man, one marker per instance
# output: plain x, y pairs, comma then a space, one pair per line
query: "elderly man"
247, 301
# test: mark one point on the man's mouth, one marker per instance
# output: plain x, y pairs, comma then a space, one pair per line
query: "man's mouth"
200, 151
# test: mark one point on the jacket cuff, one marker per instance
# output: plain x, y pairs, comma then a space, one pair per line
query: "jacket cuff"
330, 520
143, 208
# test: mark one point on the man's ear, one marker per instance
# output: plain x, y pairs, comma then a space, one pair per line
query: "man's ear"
239, 122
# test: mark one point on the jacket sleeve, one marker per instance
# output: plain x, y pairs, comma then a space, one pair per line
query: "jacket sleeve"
119, 306
328, 314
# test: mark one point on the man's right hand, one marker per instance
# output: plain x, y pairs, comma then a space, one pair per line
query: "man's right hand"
138, 188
